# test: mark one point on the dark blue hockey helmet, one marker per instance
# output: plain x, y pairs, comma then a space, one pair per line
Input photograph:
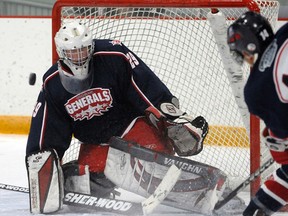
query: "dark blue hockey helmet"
251, 34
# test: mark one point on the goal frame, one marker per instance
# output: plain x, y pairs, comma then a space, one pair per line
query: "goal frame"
249, 4
56, 12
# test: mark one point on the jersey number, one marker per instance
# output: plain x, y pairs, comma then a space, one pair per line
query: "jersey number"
132, 60
264, 34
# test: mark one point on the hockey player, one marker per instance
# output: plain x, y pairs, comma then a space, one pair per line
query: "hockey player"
251, 39
99, 89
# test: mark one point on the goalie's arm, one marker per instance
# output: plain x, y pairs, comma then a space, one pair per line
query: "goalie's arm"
141, 85
45, 147
145, 91
49, 127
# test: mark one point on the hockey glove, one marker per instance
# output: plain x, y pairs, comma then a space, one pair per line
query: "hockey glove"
278, 147
159, 118
186, 135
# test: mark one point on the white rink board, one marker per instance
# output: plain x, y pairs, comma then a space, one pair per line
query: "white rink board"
25, 48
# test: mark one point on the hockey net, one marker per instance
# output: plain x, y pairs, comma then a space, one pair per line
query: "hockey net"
175, 39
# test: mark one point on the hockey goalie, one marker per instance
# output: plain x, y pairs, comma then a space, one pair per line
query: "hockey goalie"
130, 126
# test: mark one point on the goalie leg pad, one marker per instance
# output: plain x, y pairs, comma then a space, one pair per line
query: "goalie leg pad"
143, 133
77, 177
101, 186
94, 156
45, 181
140, 170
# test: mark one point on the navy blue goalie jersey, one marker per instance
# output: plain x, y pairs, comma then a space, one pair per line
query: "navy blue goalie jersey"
123, 87
266, 91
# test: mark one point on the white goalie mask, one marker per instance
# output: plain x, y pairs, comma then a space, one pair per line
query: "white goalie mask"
74, 44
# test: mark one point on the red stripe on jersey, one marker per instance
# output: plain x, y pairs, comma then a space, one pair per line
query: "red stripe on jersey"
50, 77
43, 127
141, 93
111, 53
277, 189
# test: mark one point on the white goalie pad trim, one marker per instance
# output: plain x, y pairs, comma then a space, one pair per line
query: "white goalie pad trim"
195, 190
45, 182
162, 190
79, 183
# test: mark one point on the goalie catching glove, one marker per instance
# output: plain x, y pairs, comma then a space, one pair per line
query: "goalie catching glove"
186, 134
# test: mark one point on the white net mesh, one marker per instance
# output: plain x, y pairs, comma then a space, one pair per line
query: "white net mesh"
178, 45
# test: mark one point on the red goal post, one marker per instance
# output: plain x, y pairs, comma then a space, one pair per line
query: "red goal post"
174, 38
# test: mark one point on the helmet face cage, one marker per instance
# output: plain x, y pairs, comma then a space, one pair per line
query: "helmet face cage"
74, 45
78, 56
250, 34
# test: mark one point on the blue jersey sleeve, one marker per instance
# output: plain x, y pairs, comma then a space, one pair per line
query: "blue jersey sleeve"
49, 127
146, 89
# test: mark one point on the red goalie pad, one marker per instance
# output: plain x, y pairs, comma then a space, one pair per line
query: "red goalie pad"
45, 181
140, 132
144, 134
93, 155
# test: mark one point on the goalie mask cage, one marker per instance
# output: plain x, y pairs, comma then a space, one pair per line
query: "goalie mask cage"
175, 39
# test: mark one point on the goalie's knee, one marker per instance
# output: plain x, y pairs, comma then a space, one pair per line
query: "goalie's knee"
150, 138
101, 186
94, 156
76, 177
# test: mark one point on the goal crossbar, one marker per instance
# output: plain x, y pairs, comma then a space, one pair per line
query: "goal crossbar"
56, 12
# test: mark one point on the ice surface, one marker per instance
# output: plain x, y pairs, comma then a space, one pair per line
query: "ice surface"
13, 172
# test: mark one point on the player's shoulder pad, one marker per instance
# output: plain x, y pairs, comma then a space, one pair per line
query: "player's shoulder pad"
50, 74
109, 45
282, 31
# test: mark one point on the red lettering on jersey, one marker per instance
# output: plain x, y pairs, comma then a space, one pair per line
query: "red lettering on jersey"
90, 103
116, 42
